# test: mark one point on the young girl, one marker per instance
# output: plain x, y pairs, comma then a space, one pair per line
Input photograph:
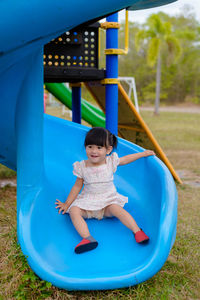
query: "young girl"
99, 197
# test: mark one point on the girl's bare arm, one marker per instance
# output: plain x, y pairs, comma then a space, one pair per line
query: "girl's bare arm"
63, 207
124, 160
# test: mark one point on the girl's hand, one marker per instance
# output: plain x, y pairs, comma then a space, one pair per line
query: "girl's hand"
148, 153
63, 207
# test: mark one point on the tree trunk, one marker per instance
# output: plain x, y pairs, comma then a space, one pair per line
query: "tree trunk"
158, 80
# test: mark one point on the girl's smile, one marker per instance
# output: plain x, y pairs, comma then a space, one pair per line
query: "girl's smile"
97, 154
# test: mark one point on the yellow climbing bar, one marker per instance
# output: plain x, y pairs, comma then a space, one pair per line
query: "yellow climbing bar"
125, 50
107, 25
110, 81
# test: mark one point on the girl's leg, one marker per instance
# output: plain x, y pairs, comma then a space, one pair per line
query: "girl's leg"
88, 243
76, 215
119, 212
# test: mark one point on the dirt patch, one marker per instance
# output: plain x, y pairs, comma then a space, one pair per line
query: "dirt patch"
9, 182
190, 108
189, 178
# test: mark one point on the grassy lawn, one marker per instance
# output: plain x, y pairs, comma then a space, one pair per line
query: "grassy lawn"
179, 136
6, 173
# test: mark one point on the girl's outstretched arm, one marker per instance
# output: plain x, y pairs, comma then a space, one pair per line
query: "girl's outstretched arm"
124, 160
63, 207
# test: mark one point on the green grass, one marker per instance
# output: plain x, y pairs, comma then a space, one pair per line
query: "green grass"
6, 173
179, 135
175, 130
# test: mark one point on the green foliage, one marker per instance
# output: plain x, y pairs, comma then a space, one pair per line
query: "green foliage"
159, 35
155, 25
139, 38
180, 48
174, 48
31, 286
153, 50
188, 35
6, 173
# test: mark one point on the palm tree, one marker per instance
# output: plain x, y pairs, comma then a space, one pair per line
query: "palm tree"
159, 36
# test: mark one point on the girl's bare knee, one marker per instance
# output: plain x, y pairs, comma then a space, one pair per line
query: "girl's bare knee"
113, 207
75, 210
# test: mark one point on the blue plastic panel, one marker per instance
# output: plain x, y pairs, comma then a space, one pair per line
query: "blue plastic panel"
144, 4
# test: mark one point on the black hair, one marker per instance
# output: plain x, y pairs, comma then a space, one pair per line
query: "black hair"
101, 137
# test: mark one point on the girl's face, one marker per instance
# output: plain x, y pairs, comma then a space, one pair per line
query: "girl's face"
97, 154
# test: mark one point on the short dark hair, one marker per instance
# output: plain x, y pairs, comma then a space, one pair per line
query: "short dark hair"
101, 137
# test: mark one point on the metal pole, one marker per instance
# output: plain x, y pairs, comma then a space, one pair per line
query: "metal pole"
112, 72
76, 103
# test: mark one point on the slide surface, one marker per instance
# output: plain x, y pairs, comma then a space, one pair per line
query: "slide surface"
118, 261
43, 148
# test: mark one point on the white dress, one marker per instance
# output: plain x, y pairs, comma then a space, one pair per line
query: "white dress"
99, 190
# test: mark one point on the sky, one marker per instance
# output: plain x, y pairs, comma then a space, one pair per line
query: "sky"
170, 9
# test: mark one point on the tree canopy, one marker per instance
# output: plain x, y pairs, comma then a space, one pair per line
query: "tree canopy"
180, 72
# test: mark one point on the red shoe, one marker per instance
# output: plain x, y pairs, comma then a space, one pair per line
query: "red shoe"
141, 237
85, 245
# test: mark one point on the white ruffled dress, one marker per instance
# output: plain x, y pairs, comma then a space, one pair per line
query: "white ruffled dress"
99, 190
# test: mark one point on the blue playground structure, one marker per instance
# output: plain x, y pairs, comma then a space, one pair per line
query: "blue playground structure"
42, 149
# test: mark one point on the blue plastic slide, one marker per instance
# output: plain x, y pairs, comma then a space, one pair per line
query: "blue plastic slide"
43, 148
